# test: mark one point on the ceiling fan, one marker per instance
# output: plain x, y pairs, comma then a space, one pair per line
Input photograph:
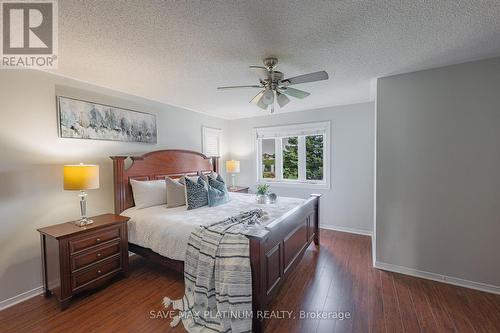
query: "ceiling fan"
275, 88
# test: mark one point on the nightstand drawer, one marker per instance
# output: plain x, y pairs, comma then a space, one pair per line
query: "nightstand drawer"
81, 260
96, 272
82, 243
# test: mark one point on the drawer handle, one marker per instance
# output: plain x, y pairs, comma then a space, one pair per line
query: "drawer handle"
98, 240
99, 272
98, 255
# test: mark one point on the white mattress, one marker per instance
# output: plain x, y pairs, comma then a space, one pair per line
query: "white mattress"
166, 230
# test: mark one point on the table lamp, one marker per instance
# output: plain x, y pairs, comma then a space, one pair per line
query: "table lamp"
233, 167
81, 177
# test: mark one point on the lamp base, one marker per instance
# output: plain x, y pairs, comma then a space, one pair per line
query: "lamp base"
233, 177
83, 222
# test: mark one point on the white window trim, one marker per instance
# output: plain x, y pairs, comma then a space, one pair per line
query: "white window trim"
325, 127
207, 131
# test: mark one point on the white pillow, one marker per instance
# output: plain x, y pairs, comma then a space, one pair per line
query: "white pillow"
149, 193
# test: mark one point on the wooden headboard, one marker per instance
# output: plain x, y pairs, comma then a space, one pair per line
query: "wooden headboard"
156, 165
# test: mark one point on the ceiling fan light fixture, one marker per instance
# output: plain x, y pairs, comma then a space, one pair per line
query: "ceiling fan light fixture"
281, 99
257, 100
274, 87
268, 97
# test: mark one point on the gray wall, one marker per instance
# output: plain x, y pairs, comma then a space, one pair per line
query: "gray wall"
438, 171
349, 202
32, 155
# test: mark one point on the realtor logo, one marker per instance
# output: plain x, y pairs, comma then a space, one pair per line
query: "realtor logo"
29, 33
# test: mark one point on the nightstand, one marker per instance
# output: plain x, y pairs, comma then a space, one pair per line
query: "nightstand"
239, 189
75, 259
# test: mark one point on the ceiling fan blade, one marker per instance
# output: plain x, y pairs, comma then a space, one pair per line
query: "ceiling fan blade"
262, 72
311, 77
294, 92
257, 100
258, 67
257, 97
282, 99
234, 87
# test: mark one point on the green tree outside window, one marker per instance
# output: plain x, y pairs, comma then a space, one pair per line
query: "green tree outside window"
314, 157
291, 158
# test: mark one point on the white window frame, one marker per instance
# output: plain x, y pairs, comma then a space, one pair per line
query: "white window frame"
301, 131
214, 132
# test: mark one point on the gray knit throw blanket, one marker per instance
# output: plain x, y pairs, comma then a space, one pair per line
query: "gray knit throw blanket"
217, 277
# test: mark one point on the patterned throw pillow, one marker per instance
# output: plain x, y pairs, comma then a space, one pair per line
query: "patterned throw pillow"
219, 178
216, 197
183, 181
216, 183
196, 193
217, 191
214, 177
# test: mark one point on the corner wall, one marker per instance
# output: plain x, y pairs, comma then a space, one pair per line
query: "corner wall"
438, 173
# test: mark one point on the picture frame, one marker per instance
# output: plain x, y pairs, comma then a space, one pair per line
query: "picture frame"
81, 119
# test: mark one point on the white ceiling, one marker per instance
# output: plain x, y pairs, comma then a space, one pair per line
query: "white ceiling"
178, 52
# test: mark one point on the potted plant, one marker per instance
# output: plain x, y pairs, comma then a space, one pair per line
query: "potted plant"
262, 192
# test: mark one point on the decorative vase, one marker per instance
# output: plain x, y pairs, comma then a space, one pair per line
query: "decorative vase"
262, 198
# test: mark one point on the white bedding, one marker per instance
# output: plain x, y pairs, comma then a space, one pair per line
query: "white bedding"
166, 230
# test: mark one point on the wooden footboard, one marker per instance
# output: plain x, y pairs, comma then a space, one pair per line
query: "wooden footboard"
275, 253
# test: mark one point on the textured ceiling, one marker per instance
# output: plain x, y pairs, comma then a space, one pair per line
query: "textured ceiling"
178, 52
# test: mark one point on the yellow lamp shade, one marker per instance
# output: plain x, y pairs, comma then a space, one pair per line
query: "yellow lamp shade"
81, 177
232, 166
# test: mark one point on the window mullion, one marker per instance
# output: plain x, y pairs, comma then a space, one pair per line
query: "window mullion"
302, 158
279, 158
259, 160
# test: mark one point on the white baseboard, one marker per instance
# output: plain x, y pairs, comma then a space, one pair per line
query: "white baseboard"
345, 229
28, 294
21, 297
489, 288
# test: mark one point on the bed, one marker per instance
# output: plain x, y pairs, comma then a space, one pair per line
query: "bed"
160, 234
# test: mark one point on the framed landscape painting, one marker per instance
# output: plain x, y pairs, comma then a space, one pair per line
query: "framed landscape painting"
88, 120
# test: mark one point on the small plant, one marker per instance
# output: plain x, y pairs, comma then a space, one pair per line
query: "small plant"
262, 189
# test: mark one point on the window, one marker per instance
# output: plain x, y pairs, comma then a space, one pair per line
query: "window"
314, 157
268, 159
295, 154
211, 141
290, 157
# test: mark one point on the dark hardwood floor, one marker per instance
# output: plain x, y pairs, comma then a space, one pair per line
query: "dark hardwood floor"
337, 277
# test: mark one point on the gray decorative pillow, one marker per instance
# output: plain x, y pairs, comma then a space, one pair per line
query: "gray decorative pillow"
216, 197
217, 191
218, 184
216, 176
193, 178
213, 174
219, 178
196, 193
182, 180
175, 193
